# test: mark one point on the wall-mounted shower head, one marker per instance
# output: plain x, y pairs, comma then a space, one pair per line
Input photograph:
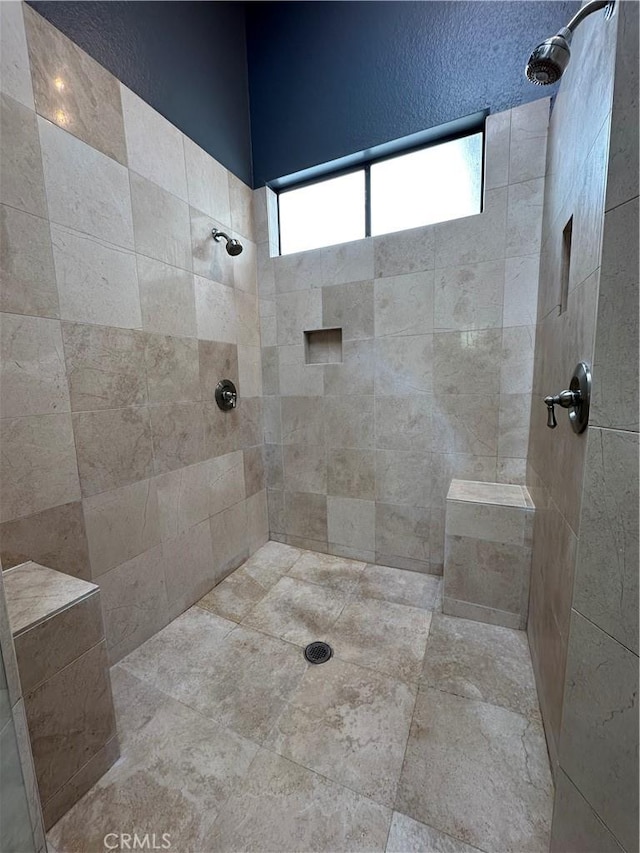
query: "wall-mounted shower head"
548, 61
233, 247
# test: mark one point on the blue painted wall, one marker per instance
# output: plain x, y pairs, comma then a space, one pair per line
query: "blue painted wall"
327, 79
187, 59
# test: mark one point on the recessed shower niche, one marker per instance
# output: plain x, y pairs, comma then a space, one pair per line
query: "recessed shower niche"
323, 346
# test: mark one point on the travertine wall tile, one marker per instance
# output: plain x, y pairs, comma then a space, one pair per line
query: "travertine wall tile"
27, 275
72, 90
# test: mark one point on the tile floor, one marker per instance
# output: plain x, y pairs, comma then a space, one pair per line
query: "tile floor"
422, 733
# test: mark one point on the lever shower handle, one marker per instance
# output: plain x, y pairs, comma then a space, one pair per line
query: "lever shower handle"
566, 399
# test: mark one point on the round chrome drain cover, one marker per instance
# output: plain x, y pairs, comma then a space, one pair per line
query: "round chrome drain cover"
318, 652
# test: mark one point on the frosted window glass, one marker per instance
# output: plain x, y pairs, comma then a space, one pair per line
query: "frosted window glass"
431, 185
322, 214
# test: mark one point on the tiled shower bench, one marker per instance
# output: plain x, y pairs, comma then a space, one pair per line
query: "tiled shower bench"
487, 562
58, 633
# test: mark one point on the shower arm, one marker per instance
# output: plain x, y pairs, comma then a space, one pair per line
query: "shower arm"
584, 12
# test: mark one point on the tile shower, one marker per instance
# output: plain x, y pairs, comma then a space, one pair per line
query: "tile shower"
438, 328
120, 315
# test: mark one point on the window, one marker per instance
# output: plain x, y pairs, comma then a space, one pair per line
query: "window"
387, 193
320, 214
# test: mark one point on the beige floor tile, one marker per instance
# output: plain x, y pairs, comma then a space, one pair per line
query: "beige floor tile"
180, 653
235, 596
135, 702
381, 635
481, 661
296, 611
326, 570
402, 587
349, 724
283, 807
409, 836
271, 562
477, 772
239, 678
174, 777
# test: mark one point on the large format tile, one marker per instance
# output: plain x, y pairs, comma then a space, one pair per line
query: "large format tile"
33, 380
105, 366
350, 308
325, 570
404, 365
54, 537
270, 811
480, 661
114, 447
402, 532
404, 304
296, 611
606, 584
598, 741
160, 223
477, 772
86, 190
21, 175
215, 311
234, 597
154, 145
97, 281
401, 587
189, 570
177, 432
240, 678
15, 73
174, 777
134, 602
575, 825
55, 642
306, 515
167, 298
16, 826
271, 562
469, 297
351, 522
365, 751
172, 366
39, 468
474, 239
410, 836
210, 260
121, 524
64, 741
229, 535
27, 274
72, 90
207, 183
183, 499
389, 638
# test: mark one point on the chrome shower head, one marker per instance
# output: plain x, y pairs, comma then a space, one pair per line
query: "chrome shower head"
233, 247
548, 61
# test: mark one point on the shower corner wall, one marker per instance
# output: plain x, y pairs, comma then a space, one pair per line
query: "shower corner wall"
119, 316
438, 327
584, 584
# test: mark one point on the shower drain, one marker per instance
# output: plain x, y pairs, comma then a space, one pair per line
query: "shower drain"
318, 652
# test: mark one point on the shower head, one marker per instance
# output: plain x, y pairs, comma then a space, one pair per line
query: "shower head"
548, 61
233, 247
